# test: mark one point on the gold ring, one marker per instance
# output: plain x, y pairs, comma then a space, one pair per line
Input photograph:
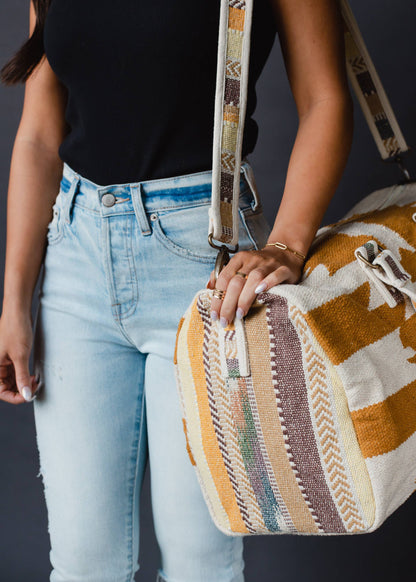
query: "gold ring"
218, 293
244, 275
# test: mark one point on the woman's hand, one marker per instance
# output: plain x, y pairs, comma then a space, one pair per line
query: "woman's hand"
264, 268
15, 346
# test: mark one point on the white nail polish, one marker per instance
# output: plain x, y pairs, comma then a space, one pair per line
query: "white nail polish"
260, 288
27, 393
214, 315
239, 313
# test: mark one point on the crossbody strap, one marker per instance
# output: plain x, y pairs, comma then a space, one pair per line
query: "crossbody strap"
370, 91
231, 101
229, 116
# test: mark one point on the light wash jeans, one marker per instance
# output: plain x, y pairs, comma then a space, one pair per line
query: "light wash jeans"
122, 263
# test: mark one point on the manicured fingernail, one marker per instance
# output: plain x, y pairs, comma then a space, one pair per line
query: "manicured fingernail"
27, 393
223, 322
214, 315
260, 288
239, 313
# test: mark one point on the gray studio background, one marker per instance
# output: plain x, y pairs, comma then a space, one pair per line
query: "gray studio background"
388, 553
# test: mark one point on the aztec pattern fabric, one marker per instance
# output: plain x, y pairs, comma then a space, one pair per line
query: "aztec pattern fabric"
230, 110
301, 418
369, 90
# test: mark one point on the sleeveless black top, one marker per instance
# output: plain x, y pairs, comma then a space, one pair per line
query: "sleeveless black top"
141, 80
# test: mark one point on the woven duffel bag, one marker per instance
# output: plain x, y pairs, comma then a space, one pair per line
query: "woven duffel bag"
301, 417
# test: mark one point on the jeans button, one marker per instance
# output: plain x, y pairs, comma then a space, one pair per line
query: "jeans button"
108, 199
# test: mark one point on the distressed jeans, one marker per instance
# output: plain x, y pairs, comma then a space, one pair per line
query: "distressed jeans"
122, 263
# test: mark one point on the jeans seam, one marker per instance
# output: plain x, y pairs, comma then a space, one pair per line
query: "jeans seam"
177, 250
132, 490
87, 208
115, 305
178, 206
133, 273
199, 202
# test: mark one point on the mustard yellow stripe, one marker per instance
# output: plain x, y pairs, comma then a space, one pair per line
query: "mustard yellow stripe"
384, 426
345, 325
236, 18
231, 113
178, 331
212, 451
257, 334
193, 428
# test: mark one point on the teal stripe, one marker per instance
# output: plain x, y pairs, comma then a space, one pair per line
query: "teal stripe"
253, 459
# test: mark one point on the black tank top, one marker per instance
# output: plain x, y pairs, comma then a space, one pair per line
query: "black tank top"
141, 80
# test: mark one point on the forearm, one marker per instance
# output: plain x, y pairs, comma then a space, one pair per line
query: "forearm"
35, 174
316, 165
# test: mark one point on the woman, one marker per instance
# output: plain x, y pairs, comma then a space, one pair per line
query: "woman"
117, 119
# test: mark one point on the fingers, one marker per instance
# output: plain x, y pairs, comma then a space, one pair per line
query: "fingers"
222, 283
263, 271
226, 308
9, 395
22, 375
237, 300
16, 384
7, 392
211, 281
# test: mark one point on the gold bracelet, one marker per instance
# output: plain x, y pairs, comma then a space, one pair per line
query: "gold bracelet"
280, 245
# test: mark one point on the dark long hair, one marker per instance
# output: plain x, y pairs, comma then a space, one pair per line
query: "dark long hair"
19, 68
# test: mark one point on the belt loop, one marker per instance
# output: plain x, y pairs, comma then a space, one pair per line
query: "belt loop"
69, 199
249, 174
139, 210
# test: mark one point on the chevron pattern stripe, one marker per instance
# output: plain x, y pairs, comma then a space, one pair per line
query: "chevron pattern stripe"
310, 437
326, 430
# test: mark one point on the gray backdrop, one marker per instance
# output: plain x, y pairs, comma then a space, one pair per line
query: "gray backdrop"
388, 27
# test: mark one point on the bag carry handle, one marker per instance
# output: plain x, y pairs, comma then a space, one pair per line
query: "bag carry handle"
231, 101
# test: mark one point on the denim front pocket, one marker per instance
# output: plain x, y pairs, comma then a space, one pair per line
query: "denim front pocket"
183, 230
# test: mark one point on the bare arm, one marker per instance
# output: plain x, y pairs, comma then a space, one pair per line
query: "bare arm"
311, 37
35, 174
312, 41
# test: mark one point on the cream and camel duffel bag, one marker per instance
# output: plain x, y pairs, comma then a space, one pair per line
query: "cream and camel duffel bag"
301, 417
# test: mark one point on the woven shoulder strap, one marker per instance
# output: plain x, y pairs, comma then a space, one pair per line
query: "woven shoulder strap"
231, 101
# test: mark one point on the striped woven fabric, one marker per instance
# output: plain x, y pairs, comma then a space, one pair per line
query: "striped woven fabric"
230, 110
328, 445
369, 89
